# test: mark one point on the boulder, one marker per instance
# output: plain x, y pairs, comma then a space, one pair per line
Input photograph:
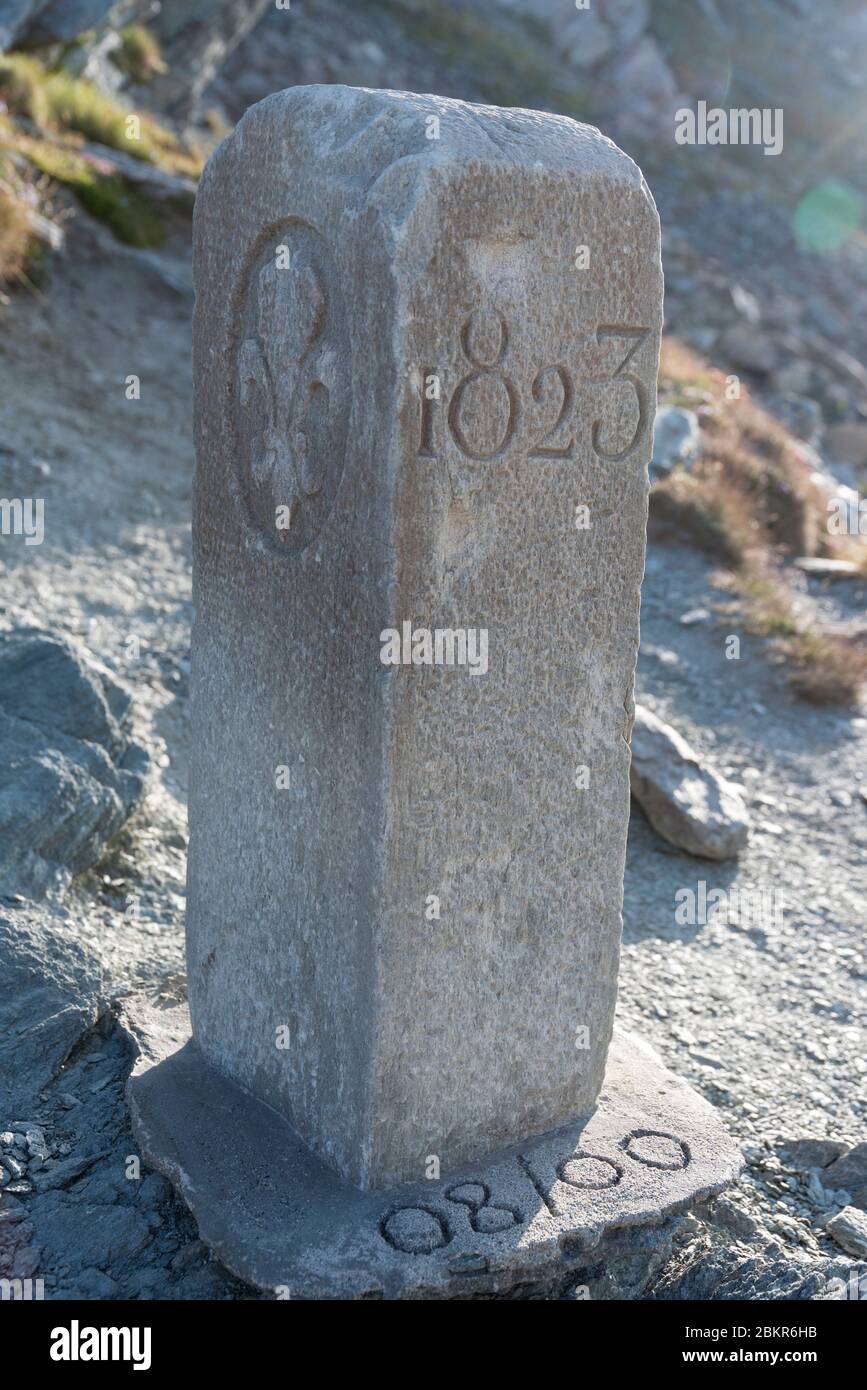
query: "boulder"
849, 1173
747, 347
51, 993
644, 84
32, 23
70, 774
686, 801
808, 1153
849, 1229
197, 37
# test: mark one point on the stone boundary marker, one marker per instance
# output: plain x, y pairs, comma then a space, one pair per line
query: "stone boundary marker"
426, 344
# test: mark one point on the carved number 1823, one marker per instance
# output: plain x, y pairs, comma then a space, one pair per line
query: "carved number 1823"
485, 340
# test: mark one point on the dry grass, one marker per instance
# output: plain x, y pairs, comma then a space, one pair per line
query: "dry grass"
750, 501
59, 104
755, 480
51, 119
15, 234
829, 670
712, 514
29, 220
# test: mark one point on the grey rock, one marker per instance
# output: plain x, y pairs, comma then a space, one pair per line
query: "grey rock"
745, 346
13, 17
734, 1219
12, 1213
50, 683
766, 1275
645, 86
71, 776
628, 18
821, 567
583, 39
61, 1175
93, 60
155, 1192
746, 304
87, 1233
684, 798
94, 1284
793, 379
189, 1257
457, 252
57, 21
800, 414
849, 1229
811, 1153
676, 439
203, 1284
52, 993
34, 1138
197, 36
849, 1171
830, 321
280, 1219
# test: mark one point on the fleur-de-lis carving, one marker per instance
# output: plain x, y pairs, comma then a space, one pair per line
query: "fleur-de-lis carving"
286, 373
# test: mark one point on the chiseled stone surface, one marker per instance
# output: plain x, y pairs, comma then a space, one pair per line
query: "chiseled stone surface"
344, 259
280, 1219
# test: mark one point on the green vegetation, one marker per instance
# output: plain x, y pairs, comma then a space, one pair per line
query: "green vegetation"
58, 103
139, 55
51, 116
107, 196
23, 88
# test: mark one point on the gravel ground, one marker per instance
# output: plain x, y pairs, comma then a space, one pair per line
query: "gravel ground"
766, 1015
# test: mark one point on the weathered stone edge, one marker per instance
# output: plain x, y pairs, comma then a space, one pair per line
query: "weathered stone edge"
547, 1260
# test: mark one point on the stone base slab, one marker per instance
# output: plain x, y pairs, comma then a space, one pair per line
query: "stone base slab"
281, 1220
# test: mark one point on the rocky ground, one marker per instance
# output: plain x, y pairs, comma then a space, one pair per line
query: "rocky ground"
766, 1015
